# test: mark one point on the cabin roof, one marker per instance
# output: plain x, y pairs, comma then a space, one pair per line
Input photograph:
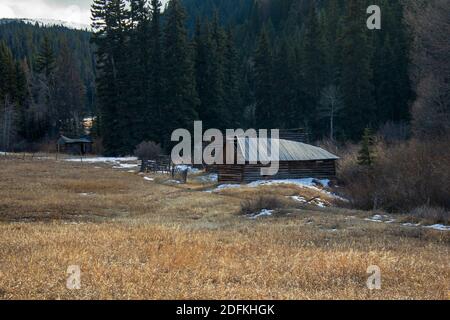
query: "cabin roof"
66, 140
288, 150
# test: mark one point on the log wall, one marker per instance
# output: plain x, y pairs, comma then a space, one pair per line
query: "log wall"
287, 170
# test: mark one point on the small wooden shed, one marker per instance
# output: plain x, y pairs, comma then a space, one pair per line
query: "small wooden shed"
296, 161
78, 146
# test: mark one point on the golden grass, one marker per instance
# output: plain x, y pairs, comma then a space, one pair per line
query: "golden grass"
135, 239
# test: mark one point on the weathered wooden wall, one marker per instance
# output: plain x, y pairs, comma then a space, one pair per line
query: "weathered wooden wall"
76, 148
287, 170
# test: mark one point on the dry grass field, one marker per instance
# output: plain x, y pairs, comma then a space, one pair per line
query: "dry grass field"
140, 239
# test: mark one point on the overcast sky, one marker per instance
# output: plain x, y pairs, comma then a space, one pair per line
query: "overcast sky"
67, 10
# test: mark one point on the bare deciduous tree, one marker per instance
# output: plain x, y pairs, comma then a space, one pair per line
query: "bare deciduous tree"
331, 103
430, 72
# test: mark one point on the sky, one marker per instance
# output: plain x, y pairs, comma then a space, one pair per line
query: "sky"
77, 11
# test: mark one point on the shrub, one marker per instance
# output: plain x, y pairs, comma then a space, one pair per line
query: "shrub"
262, 202
403, 177
148, 150
431, 214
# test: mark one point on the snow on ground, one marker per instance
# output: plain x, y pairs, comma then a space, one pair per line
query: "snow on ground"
173, 182
85, 194
310, 182
387, 219
411, 224
212, 177
52, 23
117, 163
439, 227
126, 166
103, 160
190, 169
263, 213
149, 179
299, 199
381, 218
304, 183
318, 202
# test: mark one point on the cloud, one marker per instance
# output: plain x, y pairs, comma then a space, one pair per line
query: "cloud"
71, 11
6, 11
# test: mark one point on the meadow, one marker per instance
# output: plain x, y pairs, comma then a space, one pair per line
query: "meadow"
151, 238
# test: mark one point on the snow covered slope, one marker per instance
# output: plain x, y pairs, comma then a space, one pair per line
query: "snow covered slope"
50, 23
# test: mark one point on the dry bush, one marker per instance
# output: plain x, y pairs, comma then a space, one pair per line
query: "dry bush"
404, 177
148, 150
430, 214
262, 202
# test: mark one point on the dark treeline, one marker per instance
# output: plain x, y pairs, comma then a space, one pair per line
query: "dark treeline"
47, 83
285, 64
237, 63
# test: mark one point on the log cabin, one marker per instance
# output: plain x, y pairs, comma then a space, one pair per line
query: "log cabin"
297, 160
79, 146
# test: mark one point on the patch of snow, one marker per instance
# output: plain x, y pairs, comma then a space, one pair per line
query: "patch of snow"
305, 183
52, 23
225, 186
298, 199
126, 166
173, 181
439, 227
309, 182
190, 169
381, 218
263, 213
320, 204
103, 160
212, 177
149, 179
411, 224
84, 194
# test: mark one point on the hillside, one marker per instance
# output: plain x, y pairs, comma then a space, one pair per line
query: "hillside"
48, 23
24, 37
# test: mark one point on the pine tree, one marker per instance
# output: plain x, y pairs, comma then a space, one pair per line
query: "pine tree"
9, 125
45, 68
313, 61
390, 66
356, 78
366, 155
210, 67
180, 97
266, 114
313, 67
284, 90
138, 99
232, 83
330, 30
155, 82
110, 29
45, 61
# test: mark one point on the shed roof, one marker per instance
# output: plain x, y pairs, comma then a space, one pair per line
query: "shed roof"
288, 150
65, 140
